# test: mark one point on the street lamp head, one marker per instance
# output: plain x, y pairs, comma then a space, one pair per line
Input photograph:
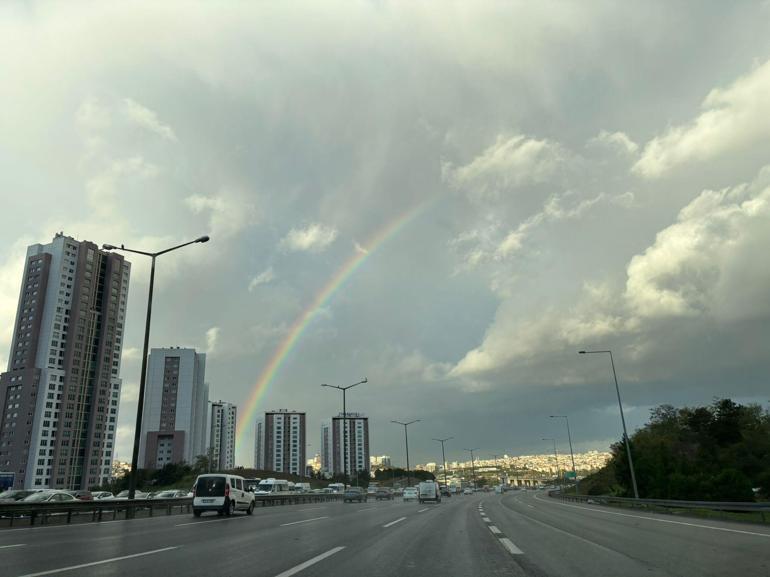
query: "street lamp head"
581, 352
108, 247
204, 238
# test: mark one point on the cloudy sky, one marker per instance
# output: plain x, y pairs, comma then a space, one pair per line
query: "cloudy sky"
584, 175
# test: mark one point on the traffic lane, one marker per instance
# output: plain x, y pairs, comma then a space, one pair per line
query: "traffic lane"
555, 551
192, 536
447, 538
268, 551
654, 542
64, 546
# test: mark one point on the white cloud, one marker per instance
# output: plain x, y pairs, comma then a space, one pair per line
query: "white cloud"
509, 163
212, 340
230, 211
616, 140
147, 119
733, 119
313, 238
684, 272
265, 277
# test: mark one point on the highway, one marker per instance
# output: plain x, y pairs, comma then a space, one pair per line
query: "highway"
519, 533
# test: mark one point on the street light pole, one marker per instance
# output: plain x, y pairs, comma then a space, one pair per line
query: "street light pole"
406, 439
145, 353
443, 457
556, 454
473, 466
571, 452
622, 418
345, 428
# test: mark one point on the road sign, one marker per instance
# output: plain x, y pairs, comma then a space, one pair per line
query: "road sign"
569, 475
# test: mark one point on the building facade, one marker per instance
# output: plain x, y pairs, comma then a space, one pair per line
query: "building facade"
222, 436
174, 421
61, 390
356, 439
284, 442
259, 445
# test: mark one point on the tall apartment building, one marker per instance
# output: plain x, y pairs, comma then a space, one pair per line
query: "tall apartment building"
222, 437
284, 442
259, 445
175, 408
357, 435
61, 390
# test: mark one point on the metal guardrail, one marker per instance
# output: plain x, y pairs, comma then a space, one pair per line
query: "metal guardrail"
113, 509
726, 506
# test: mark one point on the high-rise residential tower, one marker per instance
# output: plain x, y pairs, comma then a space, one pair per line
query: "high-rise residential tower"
61, 391
174, 422
259, 445
222, 437
357, 442
284, 442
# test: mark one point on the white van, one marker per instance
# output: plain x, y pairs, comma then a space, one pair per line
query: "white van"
336, 487
272, 486
222, 493
301, 488
429, 491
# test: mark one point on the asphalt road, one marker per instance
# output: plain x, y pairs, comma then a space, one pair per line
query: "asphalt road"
520, 533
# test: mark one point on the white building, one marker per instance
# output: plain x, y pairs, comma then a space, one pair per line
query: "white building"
356, 440
174, 421
61, 389
284, 442
222, 438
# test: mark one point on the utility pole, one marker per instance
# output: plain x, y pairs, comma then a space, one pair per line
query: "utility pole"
406, 439
345, 456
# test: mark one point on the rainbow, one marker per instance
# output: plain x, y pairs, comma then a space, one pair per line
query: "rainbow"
337, 280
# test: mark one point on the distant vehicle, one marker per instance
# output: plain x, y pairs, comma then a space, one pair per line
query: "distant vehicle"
355, 494
336, 487
446, 492
468, 491
302, 487
429, 491
222, 493
271, 486
383, 493
170, 494
82, 495
251, 484
410, 494
102, 495
137, 495
16, 495
50, 496
371, 490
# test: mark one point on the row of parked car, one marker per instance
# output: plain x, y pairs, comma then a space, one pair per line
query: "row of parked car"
60, 496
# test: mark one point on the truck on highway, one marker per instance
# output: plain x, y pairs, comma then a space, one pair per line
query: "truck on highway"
270, 486
429, 491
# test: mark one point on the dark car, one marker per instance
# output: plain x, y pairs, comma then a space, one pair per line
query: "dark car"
384, 493
82, 495
355, 494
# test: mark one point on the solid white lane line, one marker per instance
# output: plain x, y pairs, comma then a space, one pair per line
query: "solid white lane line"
9, 546
698, 525
530, 506
303, 521
309, 562
422, 510
495, 530
512, 549
123, 558
365, 509
309, 509
393, 522
212, 521
486, 519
